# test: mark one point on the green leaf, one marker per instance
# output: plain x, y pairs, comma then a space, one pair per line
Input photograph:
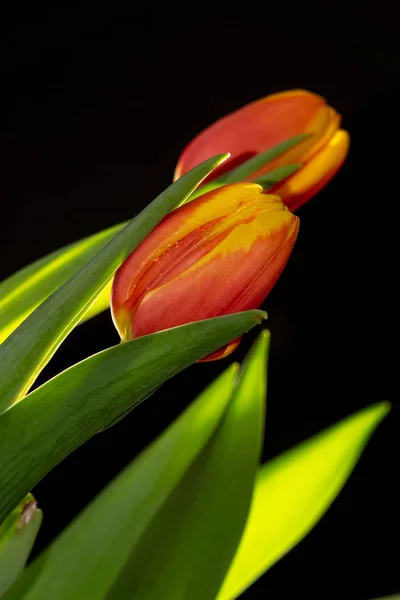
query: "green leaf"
17, 535
251, 166
21, 293
24, 291
48, 424
109, 536
203, 189
103, 535
192, 540
395, 597
276, 176
293, 491
27, 350
266, 181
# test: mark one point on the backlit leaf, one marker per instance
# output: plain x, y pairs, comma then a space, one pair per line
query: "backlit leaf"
293, 491
187, 549
28, 349
21, 293
254, 164
17, 535
48, 424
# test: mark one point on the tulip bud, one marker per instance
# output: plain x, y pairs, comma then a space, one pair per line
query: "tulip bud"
263, 124
219, 254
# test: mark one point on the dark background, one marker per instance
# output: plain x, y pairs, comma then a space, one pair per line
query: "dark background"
97, 105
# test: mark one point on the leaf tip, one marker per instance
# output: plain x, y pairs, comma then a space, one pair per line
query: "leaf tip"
377, 412
305, 136
218, 159
383, 409
266, 335
261, 345
28, 512
261, 316
225, 156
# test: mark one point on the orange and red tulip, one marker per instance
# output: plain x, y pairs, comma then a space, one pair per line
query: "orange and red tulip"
263, 124
219, 254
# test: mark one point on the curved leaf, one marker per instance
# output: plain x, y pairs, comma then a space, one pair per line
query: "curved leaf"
28, 349
395, 597
254, 164
85, 559
17, 535
21, 293
292, 493
48, 424
277, 175
188, 547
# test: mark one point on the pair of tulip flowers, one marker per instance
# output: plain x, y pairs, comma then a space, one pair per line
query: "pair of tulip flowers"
224, 251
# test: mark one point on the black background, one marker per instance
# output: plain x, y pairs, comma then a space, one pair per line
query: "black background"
97, 105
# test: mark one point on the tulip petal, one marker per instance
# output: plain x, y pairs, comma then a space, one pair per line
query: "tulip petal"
239, 272
178, 225
320, 129
314, 175
262, 125
216, 256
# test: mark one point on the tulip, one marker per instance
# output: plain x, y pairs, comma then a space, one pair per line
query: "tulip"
219, 254
263, 124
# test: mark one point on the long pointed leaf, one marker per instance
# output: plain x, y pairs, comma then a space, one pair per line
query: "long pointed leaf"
48, 424
21, 293
85, 559
188, 547
203, 189
24, 291
277, 175
292, 493
252, 165
395, 597
27, 350
266, 181
17, 535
